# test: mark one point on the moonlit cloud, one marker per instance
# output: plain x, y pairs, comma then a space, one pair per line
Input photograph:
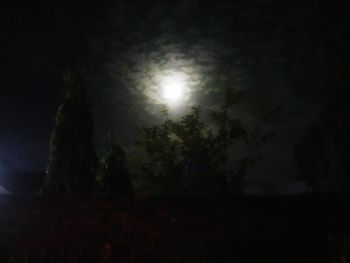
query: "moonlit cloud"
168, 71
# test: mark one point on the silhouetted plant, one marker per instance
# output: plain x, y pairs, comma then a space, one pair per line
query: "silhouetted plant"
311, 155
321, 151
72, 161
113, 175
195, 155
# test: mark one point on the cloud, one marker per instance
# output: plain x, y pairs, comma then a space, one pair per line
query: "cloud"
4, 191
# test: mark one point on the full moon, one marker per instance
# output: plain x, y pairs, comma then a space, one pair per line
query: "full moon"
173, 88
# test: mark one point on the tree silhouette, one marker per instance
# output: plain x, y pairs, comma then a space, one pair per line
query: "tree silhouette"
311, 156
113, 174
197, 155
321, 152
72, 163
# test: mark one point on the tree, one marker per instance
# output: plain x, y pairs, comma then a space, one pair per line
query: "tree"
311, 156
321, 153
113, 175
195, 155
72, 163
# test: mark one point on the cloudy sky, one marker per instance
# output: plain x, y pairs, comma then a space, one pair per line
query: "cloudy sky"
286, 54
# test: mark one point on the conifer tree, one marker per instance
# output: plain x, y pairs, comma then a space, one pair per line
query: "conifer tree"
113, 175
72, 162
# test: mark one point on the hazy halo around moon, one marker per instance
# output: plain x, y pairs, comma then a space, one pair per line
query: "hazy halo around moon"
171, 76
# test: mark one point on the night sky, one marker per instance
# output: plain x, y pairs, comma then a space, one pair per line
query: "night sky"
290, 54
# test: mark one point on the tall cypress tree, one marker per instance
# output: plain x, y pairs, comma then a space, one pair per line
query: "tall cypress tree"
72, 163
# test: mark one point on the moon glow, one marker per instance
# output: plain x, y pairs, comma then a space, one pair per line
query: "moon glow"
173, 88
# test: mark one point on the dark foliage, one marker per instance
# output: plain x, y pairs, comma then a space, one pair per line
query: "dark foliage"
322, 151
113, 175
195, 155
72, 162
311, 155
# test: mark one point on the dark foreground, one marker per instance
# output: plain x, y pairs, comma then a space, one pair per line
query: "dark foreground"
175, 229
